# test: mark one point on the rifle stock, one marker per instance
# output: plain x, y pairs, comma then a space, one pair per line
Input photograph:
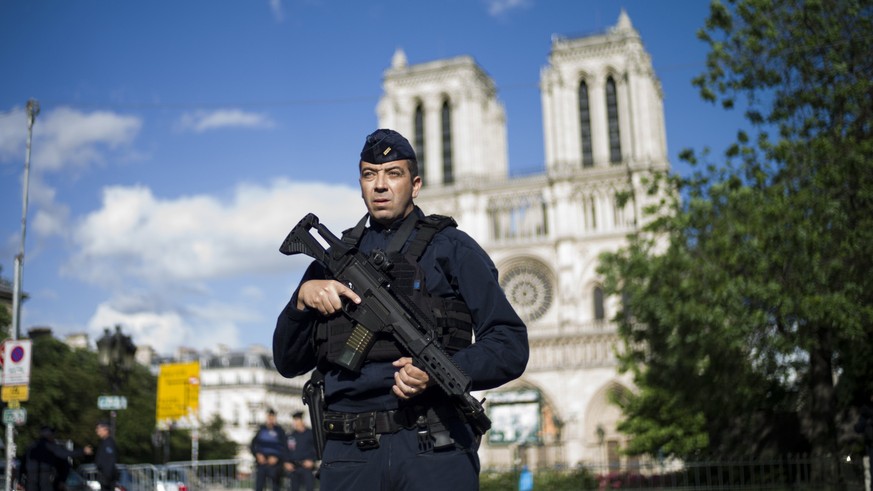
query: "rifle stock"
383, 309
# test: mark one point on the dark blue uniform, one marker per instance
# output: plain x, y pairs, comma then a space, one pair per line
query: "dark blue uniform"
301, 447
454, 265
46, 465
269, 442
106, 461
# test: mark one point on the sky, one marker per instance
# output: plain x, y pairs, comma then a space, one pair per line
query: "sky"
178, 142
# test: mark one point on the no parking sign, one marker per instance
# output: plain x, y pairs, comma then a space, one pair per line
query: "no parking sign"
16, 362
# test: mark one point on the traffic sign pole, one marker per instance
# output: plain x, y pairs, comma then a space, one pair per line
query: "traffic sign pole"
112, 404
15, 416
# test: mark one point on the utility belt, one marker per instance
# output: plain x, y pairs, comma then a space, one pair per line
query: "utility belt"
366, 428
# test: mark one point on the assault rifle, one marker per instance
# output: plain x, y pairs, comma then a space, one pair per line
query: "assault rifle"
382, 309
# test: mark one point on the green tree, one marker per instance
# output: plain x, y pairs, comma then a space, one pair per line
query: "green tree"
213, 443
748, 303
5, 314
64, 386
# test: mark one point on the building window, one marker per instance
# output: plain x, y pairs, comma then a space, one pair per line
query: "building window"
598, 304
585, 126
419, 139
626, 306
589, 212
612, 115
617, 213
446, 120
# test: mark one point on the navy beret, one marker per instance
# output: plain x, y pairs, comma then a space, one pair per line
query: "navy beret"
384, 145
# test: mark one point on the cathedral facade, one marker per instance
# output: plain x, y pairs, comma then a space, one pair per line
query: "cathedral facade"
603, 130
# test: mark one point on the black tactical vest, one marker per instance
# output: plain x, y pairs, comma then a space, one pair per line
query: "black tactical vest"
450, 315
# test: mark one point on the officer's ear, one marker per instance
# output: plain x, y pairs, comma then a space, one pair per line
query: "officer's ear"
416, 186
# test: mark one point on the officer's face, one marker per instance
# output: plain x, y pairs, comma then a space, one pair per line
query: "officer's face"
388, 190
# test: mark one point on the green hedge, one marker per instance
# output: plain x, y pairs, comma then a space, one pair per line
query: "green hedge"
546, 479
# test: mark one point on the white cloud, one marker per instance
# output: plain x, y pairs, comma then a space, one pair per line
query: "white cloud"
191, 239
166, 329
252, 292
52, 221
51, 218
500, 7
276, 9
202, 261
63, 138
66, 137
202, 121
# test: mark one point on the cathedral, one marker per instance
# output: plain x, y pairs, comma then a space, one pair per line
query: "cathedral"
603, 131
603, 135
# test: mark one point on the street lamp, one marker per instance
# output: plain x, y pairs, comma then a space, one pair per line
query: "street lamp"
32, 109
116, 353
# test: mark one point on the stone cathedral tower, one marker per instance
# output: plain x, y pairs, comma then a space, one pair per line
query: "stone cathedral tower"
603, 123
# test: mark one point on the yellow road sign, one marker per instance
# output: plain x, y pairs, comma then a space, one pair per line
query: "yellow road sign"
178, 390
15, 393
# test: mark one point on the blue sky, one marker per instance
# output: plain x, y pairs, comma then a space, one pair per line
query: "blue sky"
178, 142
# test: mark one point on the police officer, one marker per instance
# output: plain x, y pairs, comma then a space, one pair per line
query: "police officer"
106, 457
301, 457
391, 428
268, 447
47, 463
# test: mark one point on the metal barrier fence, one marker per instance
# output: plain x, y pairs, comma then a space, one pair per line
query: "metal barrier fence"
212, 475
801, 473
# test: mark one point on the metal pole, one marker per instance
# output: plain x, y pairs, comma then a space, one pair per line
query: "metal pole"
32, 108
32, 112
195, 443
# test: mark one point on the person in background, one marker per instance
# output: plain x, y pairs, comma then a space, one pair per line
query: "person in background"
268, 447
47, 463
300, 461
106, 457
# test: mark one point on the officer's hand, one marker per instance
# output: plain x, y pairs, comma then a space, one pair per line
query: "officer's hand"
89, 450
324, 296
409, 380
308, 464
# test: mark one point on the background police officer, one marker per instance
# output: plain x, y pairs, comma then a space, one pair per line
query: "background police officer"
47, 463
268, 447
301, 457
106, 457
393, 429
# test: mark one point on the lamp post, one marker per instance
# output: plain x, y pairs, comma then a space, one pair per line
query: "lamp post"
32, 109
32, 112
116, 353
